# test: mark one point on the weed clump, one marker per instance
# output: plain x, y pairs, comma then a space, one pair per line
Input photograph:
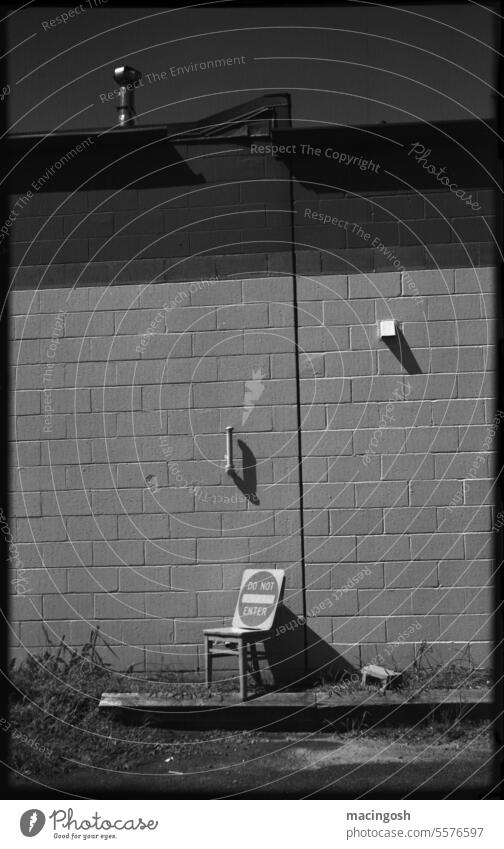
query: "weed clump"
55, 724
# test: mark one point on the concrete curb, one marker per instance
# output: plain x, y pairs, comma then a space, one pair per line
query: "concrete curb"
296, 711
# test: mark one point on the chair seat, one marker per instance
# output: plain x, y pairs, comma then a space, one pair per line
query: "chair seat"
234, 632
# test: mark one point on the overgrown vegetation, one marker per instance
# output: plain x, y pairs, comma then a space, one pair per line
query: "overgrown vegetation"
427, 674
423, 674
55, 723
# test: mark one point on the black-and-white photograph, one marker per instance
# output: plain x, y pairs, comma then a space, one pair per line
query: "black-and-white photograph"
252, 508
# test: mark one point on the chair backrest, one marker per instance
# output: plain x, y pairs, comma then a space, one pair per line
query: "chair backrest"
260, 592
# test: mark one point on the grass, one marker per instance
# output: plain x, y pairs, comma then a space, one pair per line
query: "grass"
55, 723
422, 675
425, 674
442, 729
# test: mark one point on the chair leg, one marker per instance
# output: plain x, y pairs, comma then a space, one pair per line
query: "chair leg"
255, 664
242, 666
208, 663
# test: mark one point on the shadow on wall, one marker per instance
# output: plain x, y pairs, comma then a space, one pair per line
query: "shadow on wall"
334, 161
101, 165
399, 347
284, 652
247, 484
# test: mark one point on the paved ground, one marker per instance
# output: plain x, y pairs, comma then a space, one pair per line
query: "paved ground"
226, 764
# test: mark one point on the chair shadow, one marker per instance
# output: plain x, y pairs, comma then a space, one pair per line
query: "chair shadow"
247, 484
284, 651
400, 348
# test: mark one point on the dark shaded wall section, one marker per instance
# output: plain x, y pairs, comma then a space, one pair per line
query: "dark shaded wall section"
383, 190
135, 207
131, 206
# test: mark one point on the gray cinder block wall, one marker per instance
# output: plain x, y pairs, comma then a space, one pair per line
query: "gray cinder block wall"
121, 511
125, 518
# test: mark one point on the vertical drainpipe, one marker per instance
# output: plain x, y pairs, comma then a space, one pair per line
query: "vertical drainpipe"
498, 538
298, 396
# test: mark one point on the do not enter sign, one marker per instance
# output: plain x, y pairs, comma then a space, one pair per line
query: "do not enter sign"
258, 600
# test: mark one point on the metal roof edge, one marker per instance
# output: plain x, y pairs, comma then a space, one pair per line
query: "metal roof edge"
209, 128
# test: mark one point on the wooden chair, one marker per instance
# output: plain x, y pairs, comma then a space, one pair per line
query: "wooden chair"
258, 599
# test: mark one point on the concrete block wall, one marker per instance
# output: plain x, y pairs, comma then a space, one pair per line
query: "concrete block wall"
146, 319
187, 211
368, 229
369, 198
135, 328
122, 512
398, 452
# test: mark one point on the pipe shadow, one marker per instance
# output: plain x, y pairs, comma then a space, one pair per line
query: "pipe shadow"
247, 484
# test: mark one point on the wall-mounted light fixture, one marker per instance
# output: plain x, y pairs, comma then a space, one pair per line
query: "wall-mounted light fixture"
387, 329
